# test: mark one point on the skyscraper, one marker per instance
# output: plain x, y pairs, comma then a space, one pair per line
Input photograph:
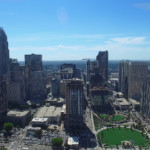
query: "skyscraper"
102, 63
4, 63
35, 78
90, 69
33, 62
16, 85
123, 76
4, 53
145, 98
74, 103
131, 76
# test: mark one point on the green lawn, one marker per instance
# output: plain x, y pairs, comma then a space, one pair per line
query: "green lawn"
113, 136
117, 118
103, 116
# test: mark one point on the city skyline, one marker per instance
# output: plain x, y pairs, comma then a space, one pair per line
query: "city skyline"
73, 30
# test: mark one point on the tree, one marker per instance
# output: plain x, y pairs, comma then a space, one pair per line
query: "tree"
38, 134
8, 126
57, 141
33, 106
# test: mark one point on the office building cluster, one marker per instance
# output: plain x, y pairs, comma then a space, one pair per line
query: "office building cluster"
67, 90
134, 84
19, 83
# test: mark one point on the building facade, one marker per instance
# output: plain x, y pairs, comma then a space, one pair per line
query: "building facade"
131, 75
145, 98
4, 63
16, 85
74, 103
35, 78
91, 67
33, 62
102, 63
37, 86
55, 87
123, 77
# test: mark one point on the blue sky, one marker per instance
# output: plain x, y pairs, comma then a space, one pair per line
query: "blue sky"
77, 29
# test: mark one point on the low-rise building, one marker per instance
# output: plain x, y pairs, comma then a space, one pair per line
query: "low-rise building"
52, 113
135, 104
121, 103
18, 117
39, 122
32, 130
73, 142
50, 101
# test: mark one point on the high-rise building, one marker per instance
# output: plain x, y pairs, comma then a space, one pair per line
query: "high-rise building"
90, 69
74, 103
131, 75
33, 62
4, 53
4, 63
123, 76
145, 98
16, 85
69, 71
55, 87
35, 78
37, 86
102, 63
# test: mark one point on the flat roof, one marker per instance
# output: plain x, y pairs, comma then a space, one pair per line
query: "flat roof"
51, 99
73, 141
17, 113
39, 119
114, 79
119, 93
46, 112
34, 128
122, 101
134, 101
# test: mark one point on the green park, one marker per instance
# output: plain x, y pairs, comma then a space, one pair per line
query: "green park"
114, 136
117, 118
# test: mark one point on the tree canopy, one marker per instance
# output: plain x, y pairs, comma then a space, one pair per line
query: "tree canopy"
8, 126
38, 134
57, 141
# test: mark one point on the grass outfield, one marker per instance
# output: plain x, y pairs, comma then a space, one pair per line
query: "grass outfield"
117, 118
113, 136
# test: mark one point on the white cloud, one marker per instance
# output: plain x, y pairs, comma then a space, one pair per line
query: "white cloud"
49, 37
33, 48
69, 52
144, 6
118, 47
128, 40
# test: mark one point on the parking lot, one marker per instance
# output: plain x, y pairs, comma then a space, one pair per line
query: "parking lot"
6, 140
46, 138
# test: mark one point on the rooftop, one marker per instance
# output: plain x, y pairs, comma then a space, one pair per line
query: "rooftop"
134, 101
73, 141
122, 101
17, 113
46, 112
39, 119
34, 128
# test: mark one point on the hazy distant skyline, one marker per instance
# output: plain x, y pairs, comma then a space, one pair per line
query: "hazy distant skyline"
77, 29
